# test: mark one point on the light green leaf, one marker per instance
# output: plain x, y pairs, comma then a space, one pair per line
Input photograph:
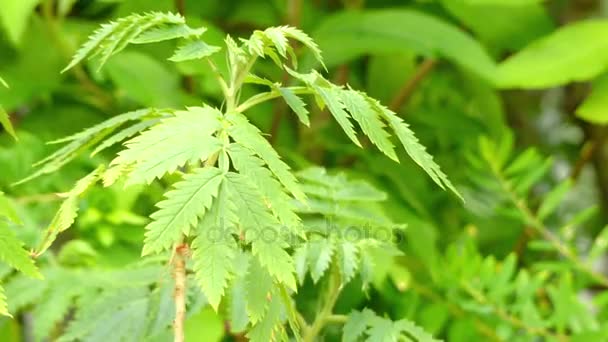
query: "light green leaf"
3, 306
246, 134
5, 121
246, 163
414, 149
368, 119
184, 205
214, 250
351, 34
258, 287
269, 328
536, 66
320, 253
12, 252
7, 210
296, 104
114, 36
168, 32
553, 199
15, 17
125, 134
190, 50
261, 229
184, 138
595, 107
66, 215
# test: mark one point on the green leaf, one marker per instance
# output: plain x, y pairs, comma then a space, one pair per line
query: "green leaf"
214, 251
271, 325
246, 134
370, 122
320, 253
349, 35
296, 104
536, 66
553, 199
3, 306
124, 134
349, 260
190, 50
261, 229
15, 17
356, 325
6, 123
66, 215
115, 36
12, 252
600, 245
414, 149
258, 287
184, 138
7, 210
593, 109
246, 163
168, 32
184, 205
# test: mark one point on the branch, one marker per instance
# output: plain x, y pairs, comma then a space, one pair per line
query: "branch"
179, 273
410, 85
325, 315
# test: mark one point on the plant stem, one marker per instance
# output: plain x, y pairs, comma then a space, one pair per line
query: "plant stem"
410, 85
179, 269
263, 97
325, 315
539, 226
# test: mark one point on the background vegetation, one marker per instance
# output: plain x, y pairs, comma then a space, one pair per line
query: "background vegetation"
508, 96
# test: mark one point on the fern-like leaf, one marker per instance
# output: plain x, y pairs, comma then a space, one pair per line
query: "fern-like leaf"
191, 50
246, 163
115, 36
12, 252
261, 229
66, 215
246, 134
175, 141
182, 209
3, 305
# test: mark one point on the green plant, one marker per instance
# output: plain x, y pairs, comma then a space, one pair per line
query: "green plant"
235, 199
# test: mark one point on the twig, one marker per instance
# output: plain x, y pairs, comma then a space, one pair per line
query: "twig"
325, 315
586, 154
410, 85
179, 294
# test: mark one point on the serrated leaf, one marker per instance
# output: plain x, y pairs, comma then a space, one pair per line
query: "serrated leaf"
246, 134
124, 134
185, 138
320, 252
3, 306
349, 260
261, 229
15, 17
214, 250
12, 252
356, 325
190, 50
296, 104
182, 208
258, 287
268, 328
246, 163
7, 210
370, 122
66, 215
114, 36
168, 32
331, 98
414, 149
5, 121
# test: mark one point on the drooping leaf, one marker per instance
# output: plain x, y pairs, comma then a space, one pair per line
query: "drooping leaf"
66, 215
296, 104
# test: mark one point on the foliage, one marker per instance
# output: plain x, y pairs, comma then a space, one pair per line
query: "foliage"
155, 186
